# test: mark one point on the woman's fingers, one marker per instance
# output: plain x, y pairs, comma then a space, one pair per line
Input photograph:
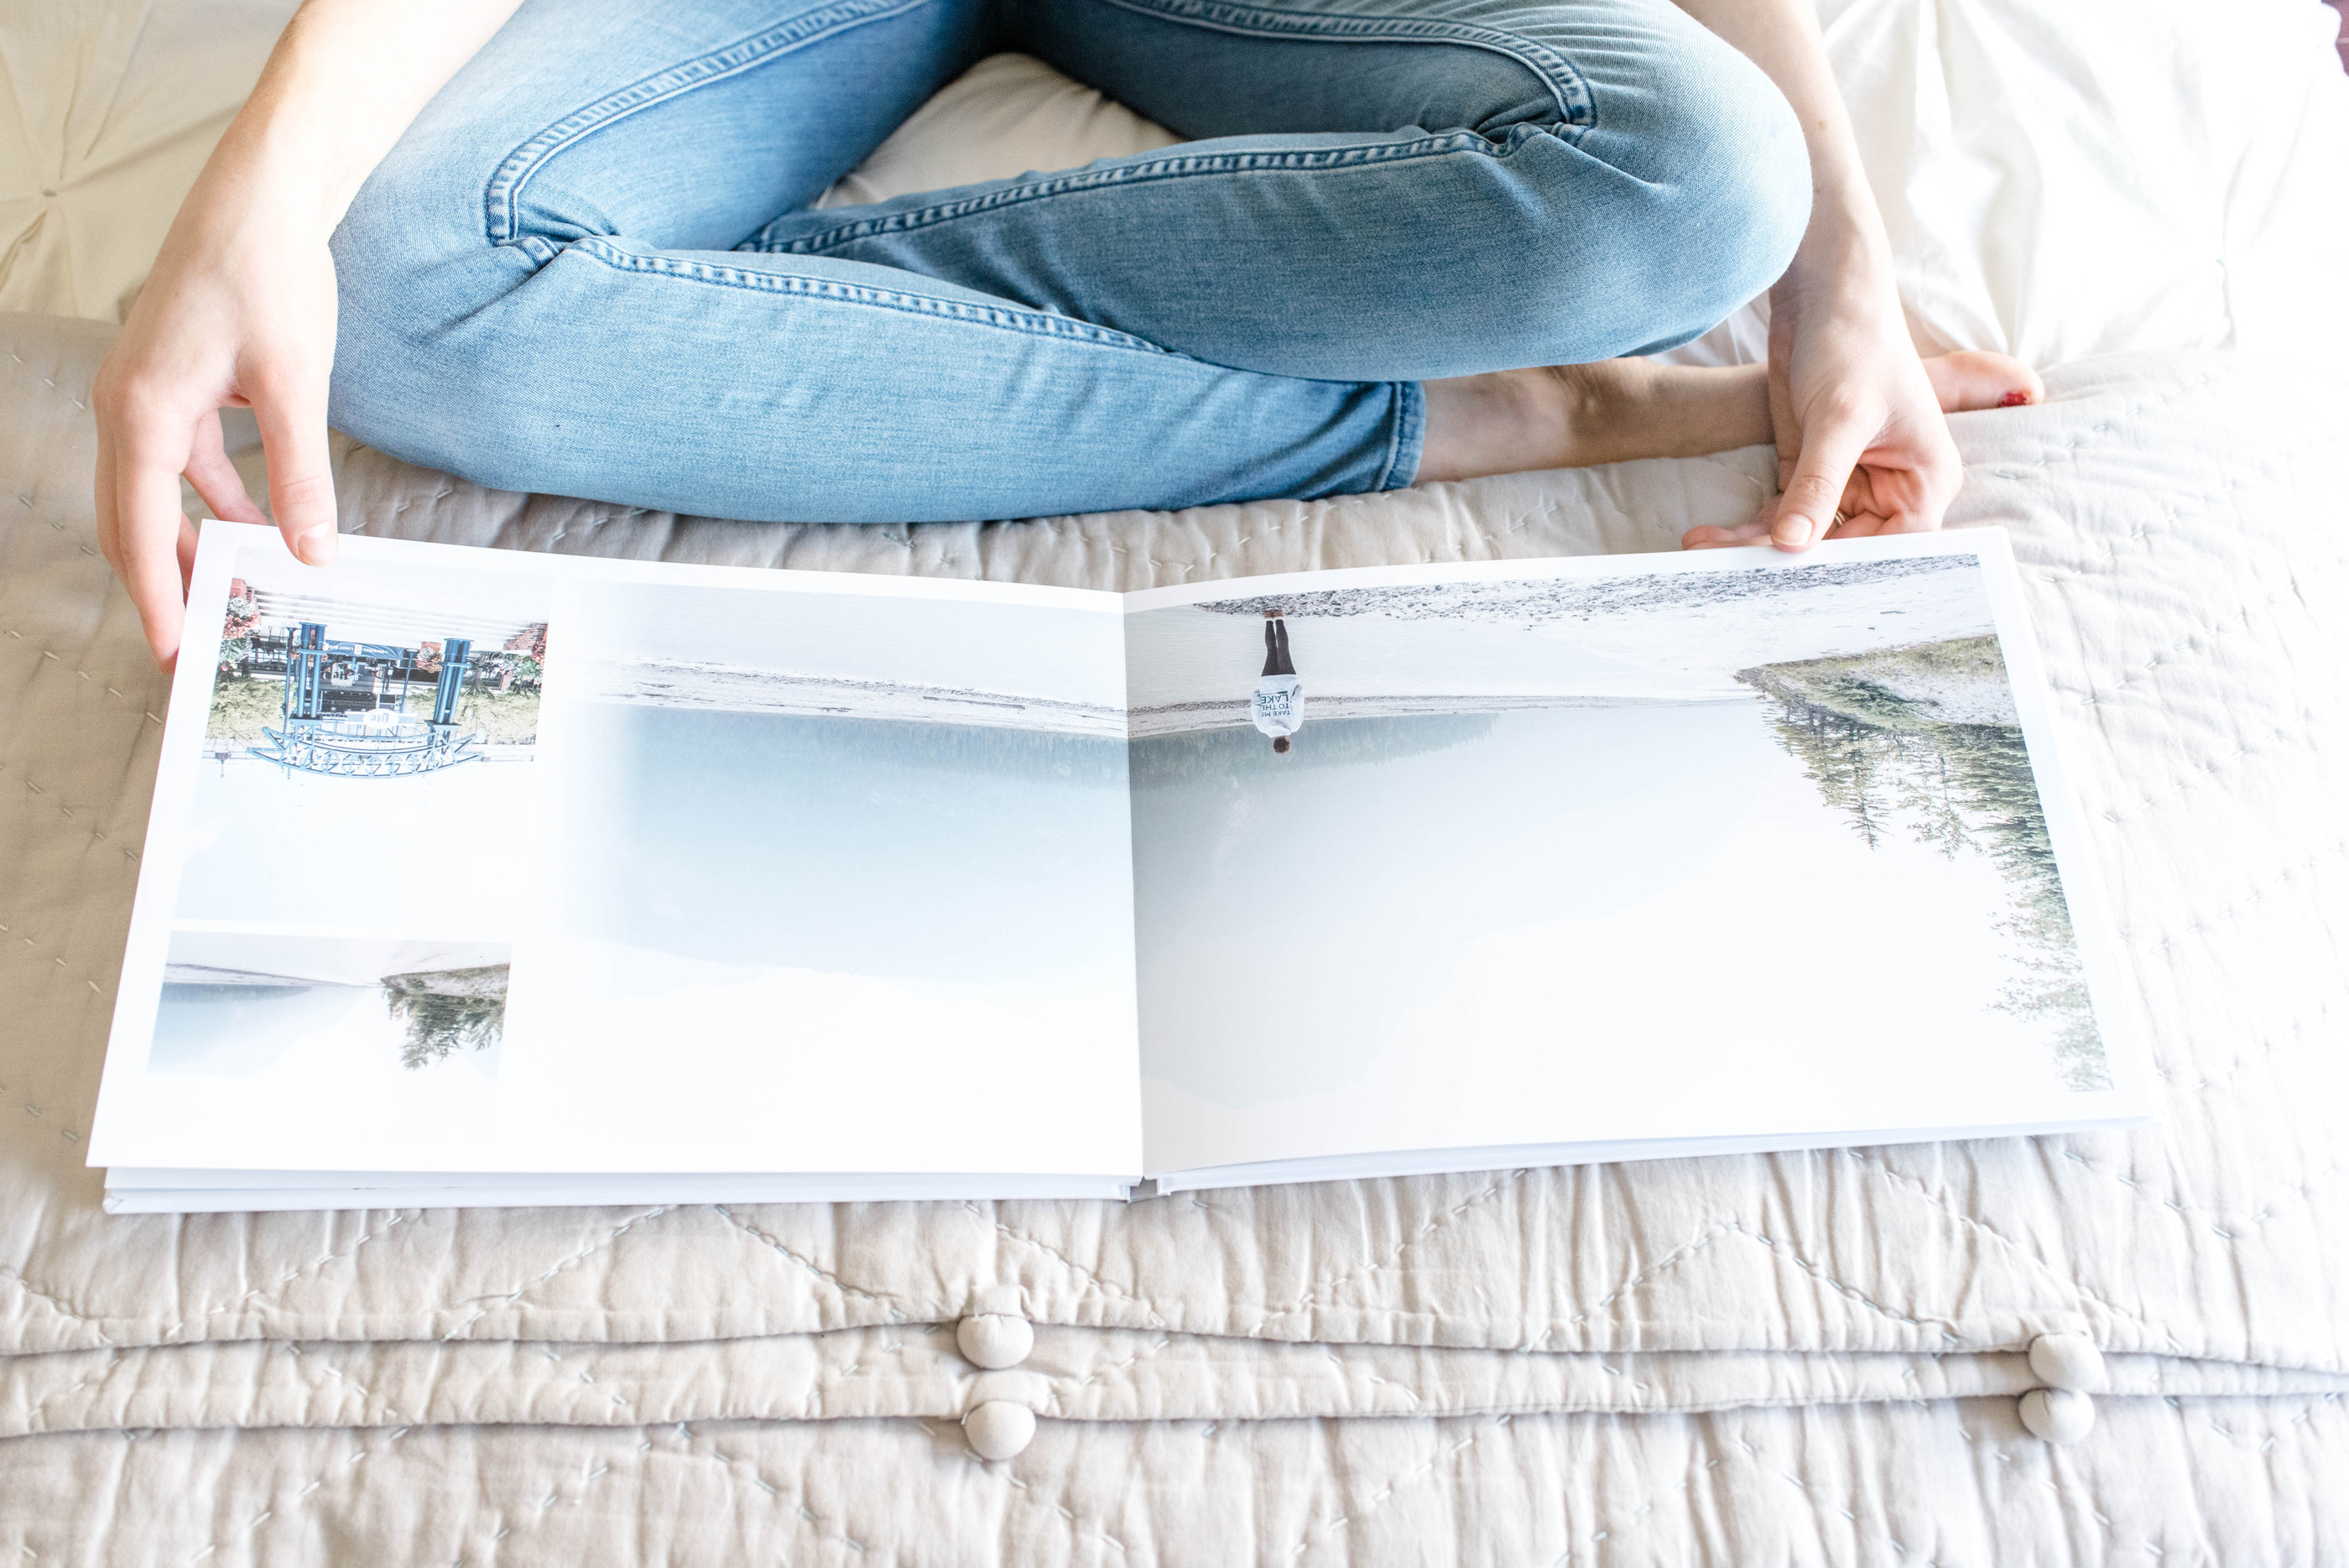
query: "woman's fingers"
151, 532
1832, 448
1855, 517
291, 411
1707, 536
142, 445
187, 554
215, 478
1905, 489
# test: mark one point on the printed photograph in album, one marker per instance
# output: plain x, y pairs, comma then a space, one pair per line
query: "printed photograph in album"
787, 818
363, 723
1408, 854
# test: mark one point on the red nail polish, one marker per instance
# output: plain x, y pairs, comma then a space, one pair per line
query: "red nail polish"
2013, 400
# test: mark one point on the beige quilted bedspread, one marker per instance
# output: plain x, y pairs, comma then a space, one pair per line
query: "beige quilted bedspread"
1794, 1357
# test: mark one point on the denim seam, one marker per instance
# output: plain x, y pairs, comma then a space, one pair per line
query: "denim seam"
1567, 88
1035, 324
1405, 434
1450, 141
502, 198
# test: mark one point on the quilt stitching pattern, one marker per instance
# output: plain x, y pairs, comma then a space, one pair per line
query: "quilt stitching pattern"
97, 1379
2285, 879
2215, 1223
897, 1312
1612, 1529
53, 1303
1641, 1279
374, 1408
1363, 1272
1035, 1497
1063, 1393
2213, 769
2198, 640
514, 1296
262, 1298
1943, 1328
1092, 1279
2297, 1427
798, 1506
1330, 1527
1898, 1180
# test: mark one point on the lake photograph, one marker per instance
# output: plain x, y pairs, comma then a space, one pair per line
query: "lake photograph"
1536, 847
237, 1002
799, 833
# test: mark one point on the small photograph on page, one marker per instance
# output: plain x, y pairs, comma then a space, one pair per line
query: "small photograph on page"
1540, 848
339, 1012
365, 749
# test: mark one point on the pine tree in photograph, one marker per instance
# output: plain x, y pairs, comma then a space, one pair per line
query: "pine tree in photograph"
446, 1011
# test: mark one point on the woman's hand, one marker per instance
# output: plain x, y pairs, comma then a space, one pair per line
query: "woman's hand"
239, 309
1862, 446
238, 313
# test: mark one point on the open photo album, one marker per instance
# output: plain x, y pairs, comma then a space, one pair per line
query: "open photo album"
480, 876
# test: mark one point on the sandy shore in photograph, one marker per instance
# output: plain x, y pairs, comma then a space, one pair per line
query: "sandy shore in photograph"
1185, 718
1404, 651
1660, 637
277, 958
740, 690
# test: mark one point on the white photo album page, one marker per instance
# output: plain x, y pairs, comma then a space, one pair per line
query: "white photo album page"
499, 864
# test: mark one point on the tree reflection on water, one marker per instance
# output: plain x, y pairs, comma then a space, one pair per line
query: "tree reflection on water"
446, 1009
1869, 731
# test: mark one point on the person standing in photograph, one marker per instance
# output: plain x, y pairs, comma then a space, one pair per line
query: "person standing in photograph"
1277, 703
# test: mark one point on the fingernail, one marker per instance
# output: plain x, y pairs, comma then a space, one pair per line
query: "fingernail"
317, 547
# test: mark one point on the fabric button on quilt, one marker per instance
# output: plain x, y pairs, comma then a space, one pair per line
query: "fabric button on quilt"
2068, 1361
999, 1429
994, 1340
2057, 1414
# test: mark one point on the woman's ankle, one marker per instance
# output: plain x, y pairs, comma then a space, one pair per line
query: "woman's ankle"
1576, 416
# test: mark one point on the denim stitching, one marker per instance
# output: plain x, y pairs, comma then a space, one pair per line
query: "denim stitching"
502, 197
1567, 88
1096, 179
1036, 324
1407, 433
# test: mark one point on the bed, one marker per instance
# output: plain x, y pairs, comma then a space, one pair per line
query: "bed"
1855, 1356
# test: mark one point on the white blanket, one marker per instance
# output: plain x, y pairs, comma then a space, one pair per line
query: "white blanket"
2185, 558
1808, 1357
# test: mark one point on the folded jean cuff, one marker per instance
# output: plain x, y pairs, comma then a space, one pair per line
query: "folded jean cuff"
1408, 436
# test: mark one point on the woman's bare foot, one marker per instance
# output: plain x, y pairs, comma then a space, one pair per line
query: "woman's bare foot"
1573, 416
1969, 380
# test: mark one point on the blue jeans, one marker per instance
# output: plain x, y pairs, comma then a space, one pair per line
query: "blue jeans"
592, 266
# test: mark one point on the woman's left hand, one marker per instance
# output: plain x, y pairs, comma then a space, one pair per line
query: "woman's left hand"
1862, 446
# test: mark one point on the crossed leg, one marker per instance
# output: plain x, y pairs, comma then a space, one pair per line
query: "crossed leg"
592, 266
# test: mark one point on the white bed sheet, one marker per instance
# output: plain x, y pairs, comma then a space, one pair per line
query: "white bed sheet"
2058, 184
